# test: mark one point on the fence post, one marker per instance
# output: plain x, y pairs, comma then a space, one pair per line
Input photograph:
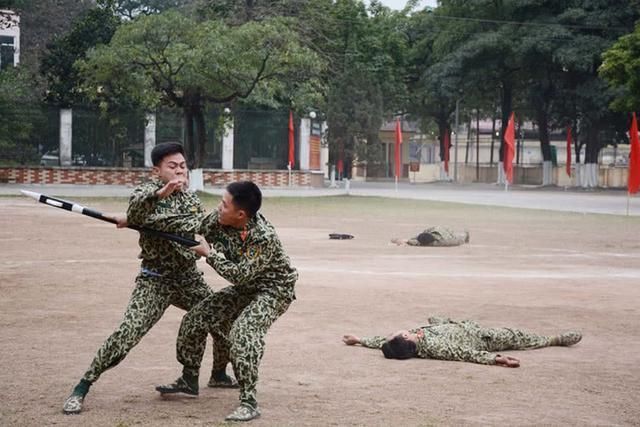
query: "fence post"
304, 139
227, 147
149, 139
66, 125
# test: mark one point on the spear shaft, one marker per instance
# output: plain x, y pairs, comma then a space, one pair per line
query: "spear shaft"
74, 207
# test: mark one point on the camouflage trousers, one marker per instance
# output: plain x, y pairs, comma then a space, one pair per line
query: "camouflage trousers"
150, 298
239, 321
499, 339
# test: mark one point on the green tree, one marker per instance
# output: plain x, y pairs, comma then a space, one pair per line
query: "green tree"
169, 59
40, 22
93, 28
621, 68
364, 80
130, 9
18, 117
584, 97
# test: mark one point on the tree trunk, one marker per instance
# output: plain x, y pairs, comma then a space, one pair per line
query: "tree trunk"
443, 130
545, 146
493, 133
591, 157
188, 140
466, 151
201, 133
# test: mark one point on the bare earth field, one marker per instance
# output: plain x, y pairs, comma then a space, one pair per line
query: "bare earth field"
65, 281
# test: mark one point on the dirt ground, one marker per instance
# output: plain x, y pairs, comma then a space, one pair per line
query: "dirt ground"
65, 281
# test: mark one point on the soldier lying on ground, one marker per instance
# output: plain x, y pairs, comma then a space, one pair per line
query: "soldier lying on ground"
465, 341
435, 236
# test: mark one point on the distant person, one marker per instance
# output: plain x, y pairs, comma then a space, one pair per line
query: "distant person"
464, 341
435, 236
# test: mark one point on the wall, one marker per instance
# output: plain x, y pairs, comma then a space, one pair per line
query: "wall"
134, 176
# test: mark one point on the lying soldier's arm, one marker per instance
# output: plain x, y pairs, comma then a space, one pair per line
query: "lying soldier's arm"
437, 320
373, 342
467, 354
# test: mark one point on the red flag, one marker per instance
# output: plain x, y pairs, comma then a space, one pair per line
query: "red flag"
447, 146
291, 141
509, 149
569, 145
398, 152
633, 184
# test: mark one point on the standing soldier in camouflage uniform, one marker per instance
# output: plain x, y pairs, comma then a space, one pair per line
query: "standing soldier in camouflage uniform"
435, 236
168, 274
464, 341
246, 251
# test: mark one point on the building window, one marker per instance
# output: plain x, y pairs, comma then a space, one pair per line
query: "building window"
7, 50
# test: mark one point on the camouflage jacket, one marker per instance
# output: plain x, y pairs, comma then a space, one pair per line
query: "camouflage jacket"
158, 254
256, 262
446, 339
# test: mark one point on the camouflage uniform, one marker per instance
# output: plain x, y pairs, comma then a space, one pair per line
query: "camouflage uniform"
168, 277
254, 261
466, 341
443, 237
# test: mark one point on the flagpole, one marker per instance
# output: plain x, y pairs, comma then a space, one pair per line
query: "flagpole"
628, 201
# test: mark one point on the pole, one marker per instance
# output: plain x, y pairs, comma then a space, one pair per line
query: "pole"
477, 145
455, 153
74, 207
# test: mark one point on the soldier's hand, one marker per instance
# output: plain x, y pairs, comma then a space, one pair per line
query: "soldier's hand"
203, 248
350, 339
507, 361
173, 186
120, 220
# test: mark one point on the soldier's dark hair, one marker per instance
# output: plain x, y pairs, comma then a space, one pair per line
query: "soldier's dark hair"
425, 239
163, 150
246, 196
399, 348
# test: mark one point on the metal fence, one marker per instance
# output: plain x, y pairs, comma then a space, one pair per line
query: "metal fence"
30, 135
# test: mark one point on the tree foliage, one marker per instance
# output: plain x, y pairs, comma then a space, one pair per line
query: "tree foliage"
94, 28
621, 67
170, 59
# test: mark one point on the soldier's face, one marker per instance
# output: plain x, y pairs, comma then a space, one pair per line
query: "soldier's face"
173, 167
229, 214
413, 337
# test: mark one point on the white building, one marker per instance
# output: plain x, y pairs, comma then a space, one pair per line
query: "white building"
9, 39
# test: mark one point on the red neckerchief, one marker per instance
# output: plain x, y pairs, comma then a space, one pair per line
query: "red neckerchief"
244, 233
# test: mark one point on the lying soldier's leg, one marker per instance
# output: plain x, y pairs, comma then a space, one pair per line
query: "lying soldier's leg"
498, 339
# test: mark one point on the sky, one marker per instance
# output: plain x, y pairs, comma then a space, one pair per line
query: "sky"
399, 4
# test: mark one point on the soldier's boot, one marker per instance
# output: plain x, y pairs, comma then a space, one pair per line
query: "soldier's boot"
566, 339
73, 404
244, 412
181, 385
220, 379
